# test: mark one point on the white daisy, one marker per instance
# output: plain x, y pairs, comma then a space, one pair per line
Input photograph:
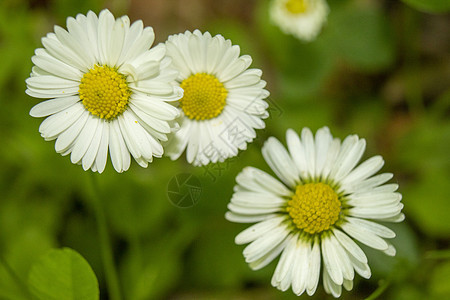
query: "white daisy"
223, 99
107, 89
323, 203
301, 18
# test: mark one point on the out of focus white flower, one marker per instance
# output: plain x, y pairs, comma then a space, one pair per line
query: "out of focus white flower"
301, 18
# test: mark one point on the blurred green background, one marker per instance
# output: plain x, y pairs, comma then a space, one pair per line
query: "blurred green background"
380, 69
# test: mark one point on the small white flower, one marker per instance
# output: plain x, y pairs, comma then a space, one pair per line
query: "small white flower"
323, 203
107, 89
223, 99
301, 18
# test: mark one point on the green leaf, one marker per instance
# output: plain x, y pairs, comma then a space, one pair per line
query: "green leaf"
151, 270
432, 6
11, 285
423, 154
362, 36
440, 278
63, 274
427, 202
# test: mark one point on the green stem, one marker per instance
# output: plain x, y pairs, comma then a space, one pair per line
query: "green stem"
380, 290
17, 280
112, 281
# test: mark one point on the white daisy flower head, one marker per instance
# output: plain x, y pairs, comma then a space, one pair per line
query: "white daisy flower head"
322, 203
223, 100
107, 90
301, 18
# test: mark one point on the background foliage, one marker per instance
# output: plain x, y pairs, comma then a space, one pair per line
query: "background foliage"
379, 69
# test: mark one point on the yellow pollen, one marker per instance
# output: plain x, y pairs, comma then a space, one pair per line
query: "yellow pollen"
204, 96
296, 7
104, 92
314, 207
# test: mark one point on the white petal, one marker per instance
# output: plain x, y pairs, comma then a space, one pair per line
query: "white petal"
117, 39
391, 251
284, 266
105, 26
373, 199
330, 286
247, 78
310, 151
364, 236
240, 218
331, 261
361, 268
350, 245
314, 268
370, 182
300, 268
63, 47
269, 257
323, 141
350, 159
264, 244
280, 162
91, 153
102, 155
120, 156
153, 107
348, 284
376, 212
396, 219
84, 139
56, 67
53, 106
50, 82
51, 127
256, 231
246, 210
261, 200
255, 180
344, 262
373, 227
363, 171
297, 153
333, 152
67, 138
236, 68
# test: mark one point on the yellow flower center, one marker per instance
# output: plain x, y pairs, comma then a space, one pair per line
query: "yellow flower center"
296, 7
104, 92
314, 207
204, 96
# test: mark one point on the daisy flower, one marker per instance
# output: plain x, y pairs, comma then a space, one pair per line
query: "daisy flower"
107, 90
323, 204
301, 18
223, 99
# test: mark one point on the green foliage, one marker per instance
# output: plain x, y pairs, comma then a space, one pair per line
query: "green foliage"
439, 287
378, 69
362, 36
431, 174
63, 274
432, 6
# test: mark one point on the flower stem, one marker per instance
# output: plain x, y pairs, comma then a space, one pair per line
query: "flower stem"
107, 257
380, 290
